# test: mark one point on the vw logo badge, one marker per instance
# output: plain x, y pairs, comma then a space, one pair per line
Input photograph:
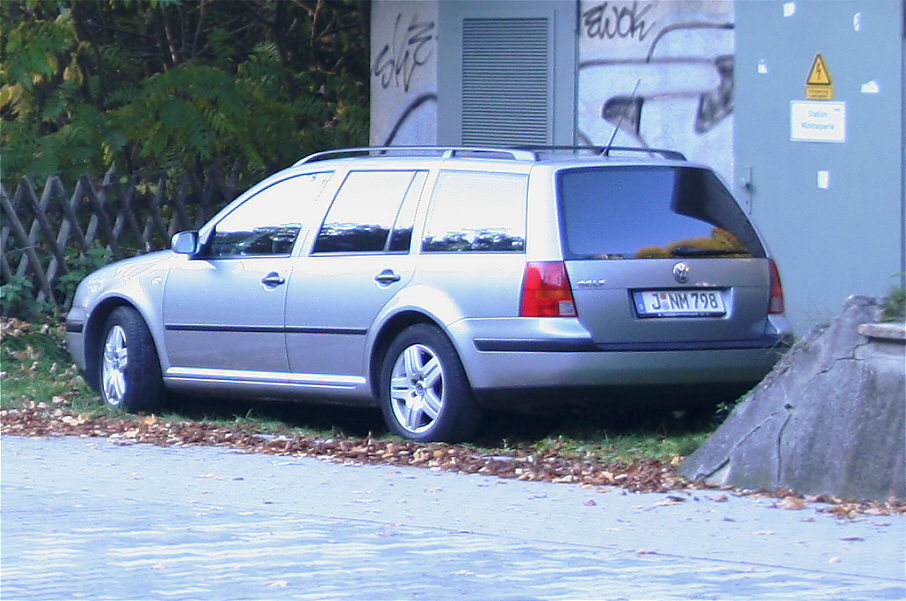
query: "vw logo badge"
681, 272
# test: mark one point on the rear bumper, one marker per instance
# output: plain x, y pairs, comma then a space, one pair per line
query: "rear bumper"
560, 354
538, 370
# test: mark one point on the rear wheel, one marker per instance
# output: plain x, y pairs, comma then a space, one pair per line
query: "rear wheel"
425, 394
130, 376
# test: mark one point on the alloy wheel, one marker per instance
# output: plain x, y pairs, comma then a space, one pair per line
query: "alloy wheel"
113, 368
416, 388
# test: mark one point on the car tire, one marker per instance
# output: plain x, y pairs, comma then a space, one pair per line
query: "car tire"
129, 375
424, 392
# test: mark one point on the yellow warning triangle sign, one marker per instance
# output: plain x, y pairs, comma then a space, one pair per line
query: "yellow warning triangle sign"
819, 75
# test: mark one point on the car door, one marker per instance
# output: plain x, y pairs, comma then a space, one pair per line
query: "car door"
223, 308
358, 262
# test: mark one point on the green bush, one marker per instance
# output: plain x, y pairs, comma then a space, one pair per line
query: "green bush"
179, 84
17, 297
895, 304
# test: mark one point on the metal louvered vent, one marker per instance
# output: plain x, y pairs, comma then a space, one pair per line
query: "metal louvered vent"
506, 80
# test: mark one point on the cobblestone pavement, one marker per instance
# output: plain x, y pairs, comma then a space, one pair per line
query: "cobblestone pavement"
90, 519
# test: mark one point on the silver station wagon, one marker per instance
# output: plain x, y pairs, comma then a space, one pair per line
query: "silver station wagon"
439, 282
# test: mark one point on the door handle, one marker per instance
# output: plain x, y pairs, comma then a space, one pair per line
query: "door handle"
386, 277
272, 280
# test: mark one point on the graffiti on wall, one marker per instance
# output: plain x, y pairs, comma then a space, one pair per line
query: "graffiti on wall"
658, 74
408, 49
404, 80
609, 20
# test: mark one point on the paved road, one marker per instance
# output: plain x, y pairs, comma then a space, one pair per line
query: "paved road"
88, 519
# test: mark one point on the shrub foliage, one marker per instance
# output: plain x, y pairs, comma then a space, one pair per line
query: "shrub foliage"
178, 84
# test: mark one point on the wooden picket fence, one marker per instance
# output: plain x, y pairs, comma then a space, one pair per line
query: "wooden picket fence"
48, 235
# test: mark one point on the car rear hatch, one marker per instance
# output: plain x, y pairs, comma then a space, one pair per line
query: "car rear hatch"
662, 257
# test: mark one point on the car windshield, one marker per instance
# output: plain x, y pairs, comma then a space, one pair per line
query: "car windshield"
643, 212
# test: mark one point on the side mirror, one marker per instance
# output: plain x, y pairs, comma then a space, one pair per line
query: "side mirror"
185, 243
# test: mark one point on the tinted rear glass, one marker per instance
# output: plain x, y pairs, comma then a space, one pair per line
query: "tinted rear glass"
650, 213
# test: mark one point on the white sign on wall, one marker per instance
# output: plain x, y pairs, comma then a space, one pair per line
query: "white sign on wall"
812, 121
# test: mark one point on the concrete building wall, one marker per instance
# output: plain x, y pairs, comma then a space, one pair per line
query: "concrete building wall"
663, 72
404, 72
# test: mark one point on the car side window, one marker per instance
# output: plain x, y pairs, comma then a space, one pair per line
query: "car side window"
268, 223
477, 212
373, 211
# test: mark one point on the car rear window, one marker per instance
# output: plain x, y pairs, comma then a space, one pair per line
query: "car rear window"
644, 212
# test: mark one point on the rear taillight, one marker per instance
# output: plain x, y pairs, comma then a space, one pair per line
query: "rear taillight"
776, 304
546, 291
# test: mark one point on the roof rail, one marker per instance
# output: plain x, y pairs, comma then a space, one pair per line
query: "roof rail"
606, 150
472, 152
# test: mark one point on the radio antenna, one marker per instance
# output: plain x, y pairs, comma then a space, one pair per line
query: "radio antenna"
620, 120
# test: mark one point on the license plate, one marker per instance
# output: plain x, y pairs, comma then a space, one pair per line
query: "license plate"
679, 303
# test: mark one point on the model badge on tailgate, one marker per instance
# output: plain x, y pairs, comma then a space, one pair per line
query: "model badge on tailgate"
591, 284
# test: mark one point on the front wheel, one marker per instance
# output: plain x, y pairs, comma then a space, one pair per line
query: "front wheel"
130, 376
424, 392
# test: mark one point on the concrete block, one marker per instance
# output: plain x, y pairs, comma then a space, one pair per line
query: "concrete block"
829, 419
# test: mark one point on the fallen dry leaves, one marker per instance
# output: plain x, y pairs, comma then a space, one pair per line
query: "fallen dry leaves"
55, 419
42, 419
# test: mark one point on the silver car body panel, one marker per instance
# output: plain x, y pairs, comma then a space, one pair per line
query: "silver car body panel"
332, 302
237, 324
138, 281
607, 307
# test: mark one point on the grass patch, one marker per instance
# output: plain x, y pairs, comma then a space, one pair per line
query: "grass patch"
36, 369
894, 308
604, 434
628, 447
